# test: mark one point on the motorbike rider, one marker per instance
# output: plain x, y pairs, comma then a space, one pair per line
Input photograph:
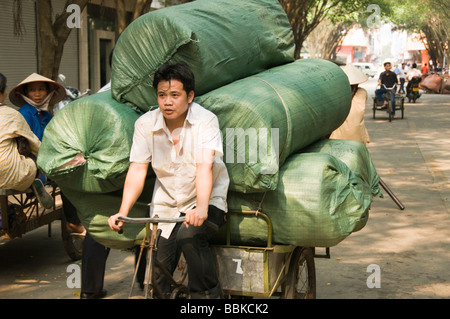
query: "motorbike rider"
414, 73
387, 82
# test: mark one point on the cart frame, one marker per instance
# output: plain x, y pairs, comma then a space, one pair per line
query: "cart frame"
287, 271
30, 215
399, 104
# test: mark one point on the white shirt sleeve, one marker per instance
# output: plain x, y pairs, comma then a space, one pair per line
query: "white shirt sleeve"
211, 136
141, 149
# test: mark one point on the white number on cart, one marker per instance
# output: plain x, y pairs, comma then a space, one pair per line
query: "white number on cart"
238, 266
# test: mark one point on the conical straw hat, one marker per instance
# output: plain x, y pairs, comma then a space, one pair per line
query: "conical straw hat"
355, 75
16, 98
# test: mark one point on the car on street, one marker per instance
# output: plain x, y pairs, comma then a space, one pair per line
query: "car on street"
367, 68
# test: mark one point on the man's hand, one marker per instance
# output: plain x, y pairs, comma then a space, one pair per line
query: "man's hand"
114, 222
196, 216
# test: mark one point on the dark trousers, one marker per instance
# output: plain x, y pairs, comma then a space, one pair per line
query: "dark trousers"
93, 263
402, 86
193, 242
380, 96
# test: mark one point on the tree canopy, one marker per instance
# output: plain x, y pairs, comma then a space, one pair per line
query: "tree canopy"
430, 19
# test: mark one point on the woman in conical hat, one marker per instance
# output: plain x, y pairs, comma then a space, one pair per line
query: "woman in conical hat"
34, 95
354, 127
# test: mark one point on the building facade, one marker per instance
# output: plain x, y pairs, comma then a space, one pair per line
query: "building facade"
85, 62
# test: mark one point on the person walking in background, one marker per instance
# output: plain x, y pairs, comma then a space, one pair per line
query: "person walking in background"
425, 69
402, 73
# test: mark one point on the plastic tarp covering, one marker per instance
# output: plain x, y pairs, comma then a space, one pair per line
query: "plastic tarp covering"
86, 145
319, 201
266, 117
221, 40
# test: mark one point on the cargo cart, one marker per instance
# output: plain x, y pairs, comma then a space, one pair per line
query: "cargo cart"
271, 270
399, 104
22, 213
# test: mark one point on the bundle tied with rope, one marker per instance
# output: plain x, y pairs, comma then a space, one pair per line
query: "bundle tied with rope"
266, 117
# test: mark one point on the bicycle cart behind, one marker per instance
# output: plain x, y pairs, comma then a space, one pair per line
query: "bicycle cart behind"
21, 213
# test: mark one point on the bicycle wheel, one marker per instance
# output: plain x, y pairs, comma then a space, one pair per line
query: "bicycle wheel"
301, 278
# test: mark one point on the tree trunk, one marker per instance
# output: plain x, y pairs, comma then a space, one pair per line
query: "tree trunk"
140, 8
121, 14
304, 16
53, 36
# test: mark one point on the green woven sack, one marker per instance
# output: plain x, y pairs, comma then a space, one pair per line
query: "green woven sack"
96, 134
221, 40
355, 155
318, 203
95, 209
266, 117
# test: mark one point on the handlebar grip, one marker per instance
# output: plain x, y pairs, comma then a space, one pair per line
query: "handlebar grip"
120, 232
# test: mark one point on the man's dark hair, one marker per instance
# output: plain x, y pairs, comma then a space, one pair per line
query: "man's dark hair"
2, 83
178, 71
385, 63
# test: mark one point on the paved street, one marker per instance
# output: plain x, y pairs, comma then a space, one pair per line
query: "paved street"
410, 247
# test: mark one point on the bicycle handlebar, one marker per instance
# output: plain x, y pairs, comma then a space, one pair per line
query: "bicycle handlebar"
154, 220
391, 88
150, 220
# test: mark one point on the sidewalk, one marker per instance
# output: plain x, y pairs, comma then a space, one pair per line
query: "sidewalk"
411, 247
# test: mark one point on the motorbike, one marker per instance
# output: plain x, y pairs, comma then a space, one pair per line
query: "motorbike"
72, 94
412, 90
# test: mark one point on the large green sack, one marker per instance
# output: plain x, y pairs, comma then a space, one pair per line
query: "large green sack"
319, 202
99, 131
301, 102
95, 209
221, 40
355, 155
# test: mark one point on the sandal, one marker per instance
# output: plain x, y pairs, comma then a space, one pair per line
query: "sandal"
43, 197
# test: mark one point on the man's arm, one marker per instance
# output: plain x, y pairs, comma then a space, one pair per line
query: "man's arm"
203, 185
379, 79
134, 184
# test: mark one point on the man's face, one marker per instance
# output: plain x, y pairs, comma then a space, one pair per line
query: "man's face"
37, 91
387, 67
173, 100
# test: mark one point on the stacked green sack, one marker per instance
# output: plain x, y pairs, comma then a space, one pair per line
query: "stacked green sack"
355, 155
319, 200
221, 40
302, 101
95, 209
86, 145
